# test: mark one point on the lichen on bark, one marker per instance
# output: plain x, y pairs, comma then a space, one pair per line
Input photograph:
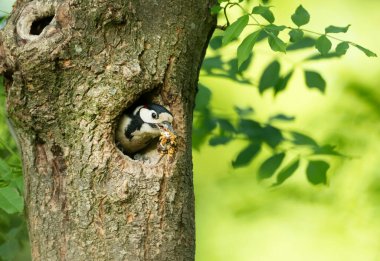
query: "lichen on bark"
67, 81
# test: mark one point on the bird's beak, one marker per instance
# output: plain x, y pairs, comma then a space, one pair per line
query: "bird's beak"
165, 125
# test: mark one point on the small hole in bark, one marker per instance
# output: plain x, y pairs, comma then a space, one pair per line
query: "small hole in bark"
39, 24
129, 126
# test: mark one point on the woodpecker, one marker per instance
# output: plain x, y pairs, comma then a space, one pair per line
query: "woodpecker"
138, 128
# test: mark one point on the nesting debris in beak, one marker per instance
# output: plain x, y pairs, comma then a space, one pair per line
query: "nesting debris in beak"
167, 142
165, 126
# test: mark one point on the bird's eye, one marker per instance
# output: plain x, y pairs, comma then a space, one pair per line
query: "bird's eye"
154, 115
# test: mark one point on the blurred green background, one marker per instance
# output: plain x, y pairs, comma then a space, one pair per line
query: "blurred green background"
239, 218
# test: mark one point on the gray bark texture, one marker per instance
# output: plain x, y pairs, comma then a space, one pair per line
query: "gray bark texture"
70, 68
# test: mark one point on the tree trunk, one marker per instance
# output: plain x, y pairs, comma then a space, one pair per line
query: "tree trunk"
71, 67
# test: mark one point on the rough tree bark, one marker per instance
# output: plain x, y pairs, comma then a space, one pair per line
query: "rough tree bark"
71, 67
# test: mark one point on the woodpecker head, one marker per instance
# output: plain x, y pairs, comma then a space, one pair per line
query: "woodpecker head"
156, 116
139, 127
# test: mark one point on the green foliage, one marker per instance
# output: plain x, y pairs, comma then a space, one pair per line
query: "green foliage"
295, 35
301, 16
302, 139
316, 172
281, 117
276, 44
341, 48
365, 50
336, 29
303, 43
261, 136
265, 12
10, 200
282, 82
270, 76
246, 155
315, 80
258, 137
13, 235
216, 9
245, 48
3, 18
323, 45
234, 30
270, 165
287, 172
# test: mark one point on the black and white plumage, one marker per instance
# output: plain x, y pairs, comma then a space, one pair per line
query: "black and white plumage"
139, 127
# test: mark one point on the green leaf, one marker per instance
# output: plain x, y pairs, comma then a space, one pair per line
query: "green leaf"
341, 49
204, 122
275, 29
287, 172
226, 125
365, 50
295, 35
270, 165
335, 29
282, 83
219, 140
262, 36
315, 80
281, 117
203, 125
302, 139
276, 44
211, 63
246, 46
272, 136
301, 16
216, 9
323, 45
18, 183
320, 56
270, 76
203, 97
11, 200
216, 42
252, 129
234, 30
305, 42
242, 112
5, 169
239, 70
316, 172
327, 150
246, 155
265, 12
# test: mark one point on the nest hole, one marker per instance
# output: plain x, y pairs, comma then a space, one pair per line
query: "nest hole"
149, 153
39, 25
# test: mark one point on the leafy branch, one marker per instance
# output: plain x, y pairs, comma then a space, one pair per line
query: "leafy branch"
289, 148
300, 18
